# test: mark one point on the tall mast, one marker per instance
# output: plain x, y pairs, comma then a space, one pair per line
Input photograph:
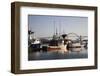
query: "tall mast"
59, 27
56, 31
54, 27
63, 31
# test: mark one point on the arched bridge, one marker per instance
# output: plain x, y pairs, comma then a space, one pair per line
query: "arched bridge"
75, 36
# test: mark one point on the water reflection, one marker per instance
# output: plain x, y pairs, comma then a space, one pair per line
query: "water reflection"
73, 53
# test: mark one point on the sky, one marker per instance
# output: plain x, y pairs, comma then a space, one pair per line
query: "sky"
46, 25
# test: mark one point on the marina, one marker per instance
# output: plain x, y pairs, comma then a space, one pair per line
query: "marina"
60, 44
57, 48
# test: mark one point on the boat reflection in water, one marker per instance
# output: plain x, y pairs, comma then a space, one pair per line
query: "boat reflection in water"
72, 53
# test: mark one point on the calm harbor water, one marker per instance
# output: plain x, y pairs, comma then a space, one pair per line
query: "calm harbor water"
74, 53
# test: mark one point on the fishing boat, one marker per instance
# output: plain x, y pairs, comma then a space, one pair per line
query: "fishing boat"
33, 42
36, 43
57, 44
76, 45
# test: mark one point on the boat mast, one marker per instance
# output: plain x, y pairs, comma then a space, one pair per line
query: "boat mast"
56, 32
54, 27
59, 27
